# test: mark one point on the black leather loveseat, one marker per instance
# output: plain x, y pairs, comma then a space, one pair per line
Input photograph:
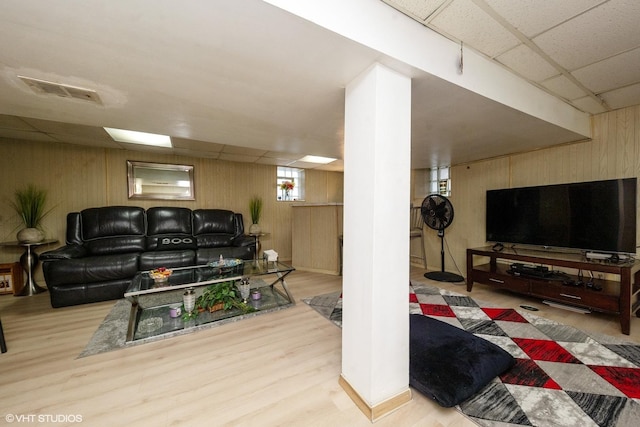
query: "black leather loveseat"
106, 246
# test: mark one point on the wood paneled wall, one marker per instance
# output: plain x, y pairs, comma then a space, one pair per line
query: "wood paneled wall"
79, 177
315, 240
614, 152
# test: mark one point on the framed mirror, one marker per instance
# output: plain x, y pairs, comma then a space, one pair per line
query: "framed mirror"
160, 181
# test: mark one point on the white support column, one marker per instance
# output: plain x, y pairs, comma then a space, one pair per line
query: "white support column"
377, 155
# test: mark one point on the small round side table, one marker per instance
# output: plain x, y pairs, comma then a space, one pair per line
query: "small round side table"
257, 237
29, 262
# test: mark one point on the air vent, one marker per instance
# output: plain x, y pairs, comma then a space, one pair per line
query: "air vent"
43, 87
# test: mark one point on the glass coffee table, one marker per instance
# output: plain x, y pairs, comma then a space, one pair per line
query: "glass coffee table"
153, 306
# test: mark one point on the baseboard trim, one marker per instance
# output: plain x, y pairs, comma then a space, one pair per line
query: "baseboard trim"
374, 413
318, 270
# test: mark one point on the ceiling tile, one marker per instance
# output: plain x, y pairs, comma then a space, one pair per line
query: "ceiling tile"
194, 145
620, 70
82, 140
589, 105
238, 158
60, 128
600, 33
418, 8
564, 87
24, 134
465, 21
624, 97
13, 122
281, 155
196, 153
233, 149
304, 165
531, 18
142, 147
529, 64
336, 166
273, 161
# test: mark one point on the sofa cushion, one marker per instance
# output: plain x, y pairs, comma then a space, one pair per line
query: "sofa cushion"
64, 252
213, 221
214, 240
112, 221
66, 295
448, 364
169, 229
170, 259
90, 269
168, 220
115, 245
74, 228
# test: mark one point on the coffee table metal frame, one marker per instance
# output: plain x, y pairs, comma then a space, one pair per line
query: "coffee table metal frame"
142, 285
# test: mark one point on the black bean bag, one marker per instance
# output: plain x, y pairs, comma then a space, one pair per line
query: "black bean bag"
448, 364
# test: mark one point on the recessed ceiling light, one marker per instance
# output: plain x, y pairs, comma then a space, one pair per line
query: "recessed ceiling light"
317, 159
135, 137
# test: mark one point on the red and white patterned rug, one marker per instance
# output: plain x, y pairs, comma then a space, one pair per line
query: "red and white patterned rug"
563, 376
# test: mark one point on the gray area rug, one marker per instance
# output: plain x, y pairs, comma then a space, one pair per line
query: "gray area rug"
328, 305
112, 332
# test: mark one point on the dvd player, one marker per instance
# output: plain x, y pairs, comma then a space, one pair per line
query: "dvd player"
542, 272
518, 269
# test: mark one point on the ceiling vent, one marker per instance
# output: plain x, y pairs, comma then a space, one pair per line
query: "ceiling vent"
43, 87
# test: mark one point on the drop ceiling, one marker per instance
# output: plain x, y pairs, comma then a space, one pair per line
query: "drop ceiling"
586, 52
251, 82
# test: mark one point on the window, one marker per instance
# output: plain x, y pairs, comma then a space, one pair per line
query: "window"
439, 181
289, 184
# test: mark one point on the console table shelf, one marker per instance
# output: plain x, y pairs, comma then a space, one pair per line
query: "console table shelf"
618, 297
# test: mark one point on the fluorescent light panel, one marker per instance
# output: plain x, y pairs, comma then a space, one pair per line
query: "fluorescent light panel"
317, 159
135, 137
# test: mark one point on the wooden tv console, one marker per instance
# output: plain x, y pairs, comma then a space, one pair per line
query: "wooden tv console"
618, 297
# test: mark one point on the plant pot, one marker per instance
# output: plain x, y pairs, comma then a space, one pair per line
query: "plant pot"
255, 229
216, 307
30, 235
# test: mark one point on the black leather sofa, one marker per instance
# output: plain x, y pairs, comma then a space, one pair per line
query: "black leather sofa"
106, 246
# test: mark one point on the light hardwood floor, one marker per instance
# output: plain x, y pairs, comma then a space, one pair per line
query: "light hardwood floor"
280, 369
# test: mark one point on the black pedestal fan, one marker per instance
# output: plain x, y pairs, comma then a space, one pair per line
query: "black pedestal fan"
437, 212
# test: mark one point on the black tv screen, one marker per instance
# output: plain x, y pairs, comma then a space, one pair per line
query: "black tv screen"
590, 216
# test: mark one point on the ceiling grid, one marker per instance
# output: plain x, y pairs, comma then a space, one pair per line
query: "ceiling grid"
571, 50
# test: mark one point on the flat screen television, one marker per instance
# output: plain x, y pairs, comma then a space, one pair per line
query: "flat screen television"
598, 216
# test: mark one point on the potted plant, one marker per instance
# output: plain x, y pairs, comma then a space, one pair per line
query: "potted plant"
30, 205
221, 296
255, 209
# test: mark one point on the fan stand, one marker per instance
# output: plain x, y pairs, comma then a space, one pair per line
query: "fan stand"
443, 276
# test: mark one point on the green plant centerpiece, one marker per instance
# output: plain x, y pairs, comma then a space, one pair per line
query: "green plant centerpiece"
222, 296
255, 210
30, 204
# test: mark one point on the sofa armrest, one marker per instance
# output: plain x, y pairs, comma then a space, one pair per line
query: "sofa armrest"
64, 252
244, 240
